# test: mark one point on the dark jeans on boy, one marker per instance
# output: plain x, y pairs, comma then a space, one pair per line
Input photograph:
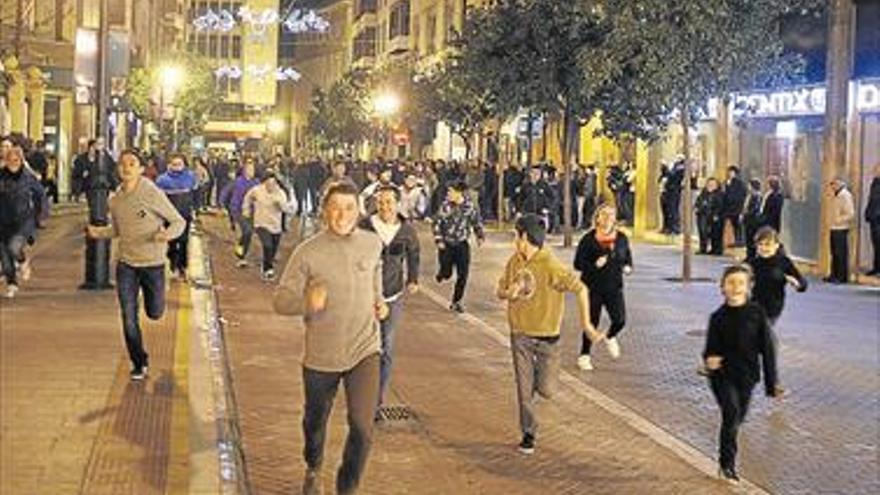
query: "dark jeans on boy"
536, 366
177, 251
615, 305
130, 281
456, 255
361, 390
388, 327
12, 252
244, 241
733, 396
270, 243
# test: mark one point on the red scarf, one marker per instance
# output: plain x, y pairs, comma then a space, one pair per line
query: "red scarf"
606, 241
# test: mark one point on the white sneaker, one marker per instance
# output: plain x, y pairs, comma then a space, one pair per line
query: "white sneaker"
613, 347
585, 362
25, 270
11, 290
241, 263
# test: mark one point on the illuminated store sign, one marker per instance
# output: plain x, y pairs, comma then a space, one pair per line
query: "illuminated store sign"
798, 102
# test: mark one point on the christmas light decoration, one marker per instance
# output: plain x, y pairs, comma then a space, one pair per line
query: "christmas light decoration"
300, 21
260, 73
222, 21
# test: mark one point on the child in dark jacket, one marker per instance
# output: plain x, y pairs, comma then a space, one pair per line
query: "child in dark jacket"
603, 257
772, 270
738, 335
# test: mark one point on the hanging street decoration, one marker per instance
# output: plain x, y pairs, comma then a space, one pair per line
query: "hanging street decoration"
297, 21
260, 73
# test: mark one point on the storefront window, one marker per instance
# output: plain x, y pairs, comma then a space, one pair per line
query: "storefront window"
870, 162
793, 152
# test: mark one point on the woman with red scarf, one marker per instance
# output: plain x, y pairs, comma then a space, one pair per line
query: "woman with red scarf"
603, 256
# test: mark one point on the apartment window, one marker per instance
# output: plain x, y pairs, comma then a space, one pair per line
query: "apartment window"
365, 7
236, 46
365, 44
191, 44
399, 20
212, 46
224, 47
202, 45
432, 34
235, 86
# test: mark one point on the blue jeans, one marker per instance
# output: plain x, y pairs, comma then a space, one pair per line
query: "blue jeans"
387, 328
130, 281
12, 252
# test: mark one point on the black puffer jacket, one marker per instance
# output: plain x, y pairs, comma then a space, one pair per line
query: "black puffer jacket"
400, 255
21, 202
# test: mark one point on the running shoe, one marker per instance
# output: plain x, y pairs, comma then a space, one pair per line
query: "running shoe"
613, 347
585, 362
138, 374
241, 263
527, 445
25, 270
312, 483
11, 291
457, 307
729, 475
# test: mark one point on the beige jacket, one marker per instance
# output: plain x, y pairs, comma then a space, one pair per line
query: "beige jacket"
267, 208
843, 210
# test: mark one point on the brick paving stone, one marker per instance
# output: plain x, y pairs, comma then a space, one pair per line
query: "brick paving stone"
822, 438
457, 380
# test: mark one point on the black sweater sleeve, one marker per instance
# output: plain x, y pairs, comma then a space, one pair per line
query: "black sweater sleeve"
790, 269
625, 252
713, 338
585, 256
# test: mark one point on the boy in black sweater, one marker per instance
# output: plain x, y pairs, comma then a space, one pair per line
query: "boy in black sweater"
773, 270
738, 334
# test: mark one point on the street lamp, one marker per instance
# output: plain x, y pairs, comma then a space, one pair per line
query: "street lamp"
386, 104
275, 125
170, 78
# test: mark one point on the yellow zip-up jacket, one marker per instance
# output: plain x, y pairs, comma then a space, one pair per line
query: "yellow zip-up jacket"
537, 307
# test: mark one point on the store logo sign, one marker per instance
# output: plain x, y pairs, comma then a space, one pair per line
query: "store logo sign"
805, 101
868, 98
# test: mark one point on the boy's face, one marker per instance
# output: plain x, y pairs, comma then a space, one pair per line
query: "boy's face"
736, 289
767, 247
455, 196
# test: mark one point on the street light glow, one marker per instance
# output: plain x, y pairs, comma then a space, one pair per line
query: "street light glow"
275, 125
170, 77
386, 104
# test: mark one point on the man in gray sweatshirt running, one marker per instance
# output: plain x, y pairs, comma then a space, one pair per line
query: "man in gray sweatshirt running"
334, 281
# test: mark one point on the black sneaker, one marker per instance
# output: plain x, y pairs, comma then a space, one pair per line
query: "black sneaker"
138, 374
457, 307
729, 475
527, 446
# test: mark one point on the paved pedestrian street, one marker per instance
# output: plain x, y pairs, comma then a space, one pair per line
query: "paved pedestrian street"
646, 423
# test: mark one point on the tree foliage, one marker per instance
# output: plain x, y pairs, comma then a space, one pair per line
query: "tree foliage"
340, 116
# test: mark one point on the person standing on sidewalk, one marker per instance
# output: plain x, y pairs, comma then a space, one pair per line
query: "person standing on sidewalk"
534, 285
603, 257
265, 205
738, 334
752, 216
710, 224
774, 200
872, 216
233, 200
180, 185
144, 220
452, 229
735, 194
400, 255
21, 201
843, 212
334, 281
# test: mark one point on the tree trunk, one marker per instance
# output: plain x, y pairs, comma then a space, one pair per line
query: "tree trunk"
569, 141
686, 221
529, 128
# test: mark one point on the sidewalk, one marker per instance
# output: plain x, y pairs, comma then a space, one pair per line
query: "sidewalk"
457, 382
72, 421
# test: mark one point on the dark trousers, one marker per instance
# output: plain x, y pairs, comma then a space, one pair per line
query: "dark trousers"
840, 255
675, 214
733, 397
587, 212
244, 241
270, 243
875, 242
615, 305
361, 390
456, 255
130, 281
177, 251
737, 226
12, 253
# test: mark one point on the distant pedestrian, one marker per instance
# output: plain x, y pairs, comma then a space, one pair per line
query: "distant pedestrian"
739, 340
144, 220
842, 216
265, 206
21, 203
233, 200
734, 202
453, 225
710, 223
181, 186
774, 200
534, 285
872, 216
752, 216
603, 257
334, 281
773, 270
400, 270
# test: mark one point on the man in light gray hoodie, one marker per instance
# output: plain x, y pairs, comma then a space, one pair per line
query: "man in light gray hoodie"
334, 281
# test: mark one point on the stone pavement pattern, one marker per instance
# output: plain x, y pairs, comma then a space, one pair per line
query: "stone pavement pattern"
72, 422
459, 383
822, 438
